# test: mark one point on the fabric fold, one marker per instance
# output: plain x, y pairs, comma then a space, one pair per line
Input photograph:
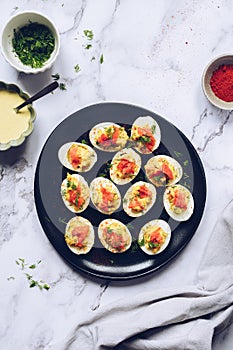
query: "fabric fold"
184, 318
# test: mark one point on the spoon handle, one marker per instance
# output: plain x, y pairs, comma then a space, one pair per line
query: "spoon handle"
38, 95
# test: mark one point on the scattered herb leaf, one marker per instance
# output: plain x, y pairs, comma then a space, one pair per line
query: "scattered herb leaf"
130, 226
178, 154
88, 46
32, 282
88, 34
62, 220
101, 59
102, 175
62, 86
55, 76
77, 68
33, 266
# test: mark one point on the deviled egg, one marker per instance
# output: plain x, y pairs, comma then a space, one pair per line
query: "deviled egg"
139, 198
105, 195
79, 235
154, 236
125, 166
178, 202
108, 137
75, 193
77, 156
114, 235
145, 135
163, 170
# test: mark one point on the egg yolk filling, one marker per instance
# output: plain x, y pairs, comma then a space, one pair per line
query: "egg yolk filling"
141, 197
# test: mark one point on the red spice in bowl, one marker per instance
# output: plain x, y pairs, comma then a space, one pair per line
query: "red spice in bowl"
221, 82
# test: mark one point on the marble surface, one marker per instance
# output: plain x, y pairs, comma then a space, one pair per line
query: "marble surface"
154, 54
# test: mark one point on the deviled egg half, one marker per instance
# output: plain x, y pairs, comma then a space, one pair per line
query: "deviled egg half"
105, 195
114, 235
145, 135
139, 198
77, 156
125, 166
154, 236
163, 170
75, 193
79, 235
108, 137
178, 202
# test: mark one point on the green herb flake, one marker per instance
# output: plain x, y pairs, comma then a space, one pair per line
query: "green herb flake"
84, 142
88, 46
77, 68
101, 59
55, 76
33, 266
135, 246
88, 34
130, 226
186, 162
141, 243
178, 154
186, 176
46, 286
102, 175
33, 44
62, 86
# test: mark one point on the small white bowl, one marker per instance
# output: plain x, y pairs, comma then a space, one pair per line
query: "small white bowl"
18, 21
225, 59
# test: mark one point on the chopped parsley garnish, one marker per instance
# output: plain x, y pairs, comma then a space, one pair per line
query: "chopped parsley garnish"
88, 34
88, 46
77, 68
153, 128
141, 243
178, 154
32, 282
144, 139
62, 220
153, 245
55, 76
33, 44
62, 86
101, 59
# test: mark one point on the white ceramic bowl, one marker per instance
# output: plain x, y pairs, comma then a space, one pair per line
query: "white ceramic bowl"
225, 59
18, 21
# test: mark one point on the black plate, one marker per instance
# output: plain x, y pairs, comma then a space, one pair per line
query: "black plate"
54, 215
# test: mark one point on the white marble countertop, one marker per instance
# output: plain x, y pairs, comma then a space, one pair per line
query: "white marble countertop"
154, 55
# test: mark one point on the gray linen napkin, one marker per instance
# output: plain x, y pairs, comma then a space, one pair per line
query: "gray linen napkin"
184, 318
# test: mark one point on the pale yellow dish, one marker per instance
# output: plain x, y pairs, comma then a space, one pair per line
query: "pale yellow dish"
14, 127
12, 124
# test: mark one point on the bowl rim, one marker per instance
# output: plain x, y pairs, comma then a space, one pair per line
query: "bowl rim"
28, 131
50, 61
212, 98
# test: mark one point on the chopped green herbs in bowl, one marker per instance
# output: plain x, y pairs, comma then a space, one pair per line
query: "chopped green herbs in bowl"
30, 42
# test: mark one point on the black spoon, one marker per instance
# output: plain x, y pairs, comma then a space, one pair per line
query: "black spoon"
38, 95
